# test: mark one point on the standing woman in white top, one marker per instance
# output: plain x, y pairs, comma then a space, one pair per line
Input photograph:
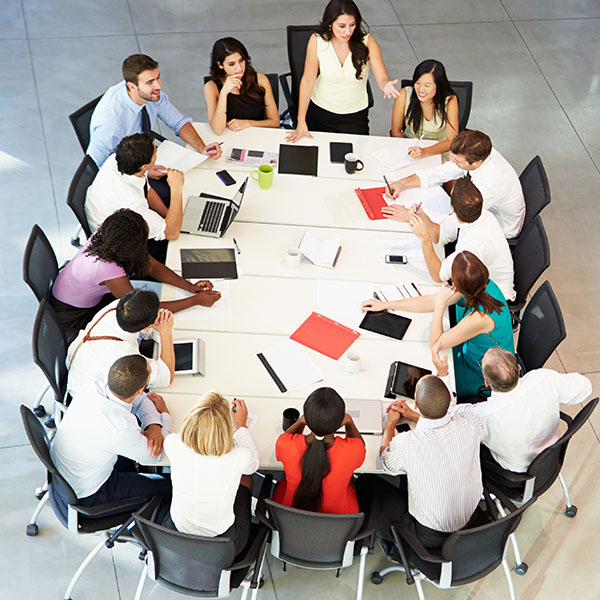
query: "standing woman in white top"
427, 109
340, 53
211, 468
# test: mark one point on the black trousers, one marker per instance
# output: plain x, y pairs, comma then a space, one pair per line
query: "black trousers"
319, 119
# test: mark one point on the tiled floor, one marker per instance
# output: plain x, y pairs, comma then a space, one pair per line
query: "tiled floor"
535, 65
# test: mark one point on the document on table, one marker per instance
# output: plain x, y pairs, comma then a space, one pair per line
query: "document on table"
407, 245
395, 156
341, 300
174, 156
435, 201
221, 309
400, 291
290, 366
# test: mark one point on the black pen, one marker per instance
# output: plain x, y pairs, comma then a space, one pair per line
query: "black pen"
237, 248
388, 186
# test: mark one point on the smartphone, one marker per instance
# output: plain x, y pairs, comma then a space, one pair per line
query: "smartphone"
396, 259
225, 177
402, 427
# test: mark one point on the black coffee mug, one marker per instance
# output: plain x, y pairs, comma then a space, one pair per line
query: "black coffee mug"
290, 416
351, 162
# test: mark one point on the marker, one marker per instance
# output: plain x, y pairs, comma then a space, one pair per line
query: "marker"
237, 248
213, 147
389, 187
418, 207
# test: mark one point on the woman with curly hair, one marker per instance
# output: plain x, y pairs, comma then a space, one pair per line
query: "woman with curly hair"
101, 272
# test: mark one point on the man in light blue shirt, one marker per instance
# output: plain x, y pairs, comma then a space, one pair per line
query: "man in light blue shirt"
132, 106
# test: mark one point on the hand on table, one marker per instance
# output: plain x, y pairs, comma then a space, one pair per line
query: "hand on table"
397, 187
373, 305
416, 152
396, 212
213, 150
200, 286
207, 298
239, 413
155, 438
238, 124
301, 131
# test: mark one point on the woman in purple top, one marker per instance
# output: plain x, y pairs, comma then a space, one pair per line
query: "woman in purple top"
101, 271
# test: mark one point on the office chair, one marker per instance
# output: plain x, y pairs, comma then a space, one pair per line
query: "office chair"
199, 566
273, 80
112, 519
40, 266
84, 176
80, 120
542, 328
536, 188
464, 95
541, 474
317, 540
297, 40
531, 258
466, 556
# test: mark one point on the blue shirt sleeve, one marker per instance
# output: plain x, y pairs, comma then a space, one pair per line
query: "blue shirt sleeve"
167, 113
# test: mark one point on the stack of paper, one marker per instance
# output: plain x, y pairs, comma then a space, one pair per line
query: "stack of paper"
394, 157
434, 201
322, 254
400, 291
174, 156
407, 245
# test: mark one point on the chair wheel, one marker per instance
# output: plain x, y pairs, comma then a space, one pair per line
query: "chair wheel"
571, 511
376, 578
32, 529
39, 411
521, 569
50, 423
75, 242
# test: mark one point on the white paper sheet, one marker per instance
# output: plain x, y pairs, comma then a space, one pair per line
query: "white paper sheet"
221, 309
294, 367
399, 291
250, 422
320, 253
174, 156
394, 157
407, 245
435, 201
341, 300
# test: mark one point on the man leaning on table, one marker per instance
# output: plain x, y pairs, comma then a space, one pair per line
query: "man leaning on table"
473, 157
99, 437
439, 458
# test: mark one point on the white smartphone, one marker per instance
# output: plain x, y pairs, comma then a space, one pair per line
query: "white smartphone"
396, 259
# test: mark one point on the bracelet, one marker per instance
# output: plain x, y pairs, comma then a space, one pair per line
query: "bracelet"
218, 112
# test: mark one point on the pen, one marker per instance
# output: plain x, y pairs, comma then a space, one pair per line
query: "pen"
233, 409
418, 207
420, 138
376, 296
416, 289
213, 147
388, 185
237, 248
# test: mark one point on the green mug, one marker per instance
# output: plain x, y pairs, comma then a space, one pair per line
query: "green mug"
264, 176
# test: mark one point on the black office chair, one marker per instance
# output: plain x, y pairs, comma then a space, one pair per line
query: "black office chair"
542, 328
40, 266
536, 188
317, 540
273, 80
111, 518
466, 556
531, 258
464, 95
199, 566
83, 178
80, 119
297, 41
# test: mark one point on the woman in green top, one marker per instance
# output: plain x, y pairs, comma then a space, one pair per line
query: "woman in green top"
483, 319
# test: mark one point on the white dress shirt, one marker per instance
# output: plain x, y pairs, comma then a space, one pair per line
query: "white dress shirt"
498, 183
94, 358
484, 239
441, 460
519, 424
204, 487
111, 190
94, 432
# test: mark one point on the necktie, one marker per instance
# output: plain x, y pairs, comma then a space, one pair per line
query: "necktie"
468, 175
145, 120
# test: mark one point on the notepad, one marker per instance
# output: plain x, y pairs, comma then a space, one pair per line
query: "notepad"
320, 253
298, 160
373, 201
173, 156
394, 157
325, 335
208, 263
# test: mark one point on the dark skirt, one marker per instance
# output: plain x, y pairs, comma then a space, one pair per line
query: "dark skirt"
319, 119
73, 318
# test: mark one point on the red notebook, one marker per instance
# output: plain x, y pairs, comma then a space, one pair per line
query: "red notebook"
325, 335
372, 201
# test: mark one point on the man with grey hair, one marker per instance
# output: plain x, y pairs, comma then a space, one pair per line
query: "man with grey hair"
521, 417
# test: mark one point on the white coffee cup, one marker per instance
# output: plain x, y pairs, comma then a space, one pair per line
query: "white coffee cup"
292, 258
353, 362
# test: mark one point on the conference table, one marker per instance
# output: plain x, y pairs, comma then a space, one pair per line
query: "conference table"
269, 301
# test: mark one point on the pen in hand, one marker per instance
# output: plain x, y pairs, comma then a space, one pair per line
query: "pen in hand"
389, 187
213, 147
418, 207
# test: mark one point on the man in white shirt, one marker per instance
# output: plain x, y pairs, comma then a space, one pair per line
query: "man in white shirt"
521, 417
114, 332
474, 229
473, 156
100, 432
122, 183
440, 459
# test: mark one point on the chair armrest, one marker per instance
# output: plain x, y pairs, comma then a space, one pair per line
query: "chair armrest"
566, 418
400, 532
285, 86
265, 488
261, 514
113, 507
504, 500
252, 552
509, 476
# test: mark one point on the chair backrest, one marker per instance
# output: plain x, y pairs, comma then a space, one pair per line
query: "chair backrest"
186, 563
273, 80
83, 178
312, 539
50, 349
40, 266
542, 328
536, 188
531, 257
547, 465
464, 95
80, 119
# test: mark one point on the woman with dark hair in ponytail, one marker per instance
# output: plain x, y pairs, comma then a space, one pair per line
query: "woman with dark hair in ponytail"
319, 466
483, 319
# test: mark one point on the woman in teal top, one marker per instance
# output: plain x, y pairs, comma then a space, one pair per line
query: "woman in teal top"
483, 319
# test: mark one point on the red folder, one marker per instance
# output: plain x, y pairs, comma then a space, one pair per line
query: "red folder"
325, 335
372, 201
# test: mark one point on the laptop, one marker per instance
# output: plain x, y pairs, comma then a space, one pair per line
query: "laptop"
366, 414
211, 215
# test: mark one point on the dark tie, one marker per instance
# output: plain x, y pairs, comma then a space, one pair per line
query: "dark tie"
145, 120
468, 175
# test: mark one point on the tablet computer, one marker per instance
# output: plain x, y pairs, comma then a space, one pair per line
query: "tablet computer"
403, 379
186, 357
338, 150
386, 323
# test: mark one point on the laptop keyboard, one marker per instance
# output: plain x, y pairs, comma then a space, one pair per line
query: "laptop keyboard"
211, 216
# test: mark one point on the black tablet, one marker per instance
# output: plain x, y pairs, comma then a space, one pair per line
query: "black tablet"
386, 323
403, 379
338, 150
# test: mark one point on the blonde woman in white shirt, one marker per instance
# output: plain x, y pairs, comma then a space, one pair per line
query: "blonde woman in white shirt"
211, 468
340, 54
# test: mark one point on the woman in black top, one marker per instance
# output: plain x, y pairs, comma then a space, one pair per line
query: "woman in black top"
236, 95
